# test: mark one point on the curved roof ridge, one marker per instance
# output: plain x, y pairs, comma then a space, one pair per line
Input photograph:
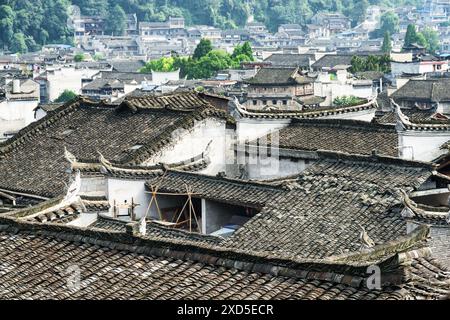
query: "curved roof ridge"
380, 159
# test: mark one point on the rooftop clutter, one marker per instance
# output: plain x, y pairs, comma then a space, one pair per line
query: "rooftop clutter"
142, 200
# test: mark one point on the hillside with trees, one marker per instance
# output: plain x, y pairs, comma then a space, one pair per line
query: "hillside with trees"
25, 25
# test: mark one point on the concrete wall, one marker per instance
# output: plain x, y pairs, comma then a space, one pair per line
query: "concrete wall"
421, 145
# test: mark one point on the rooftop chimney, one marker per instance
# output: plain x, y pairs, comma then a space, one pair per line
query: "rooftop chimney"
16, 86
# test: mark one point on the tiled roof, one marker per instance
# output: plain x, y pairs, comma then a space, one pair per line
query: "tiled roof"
332, 60
99, 84
233, 191
48, 107
127, 65
278, 76
155, 231
37, 261
322, 214
33, 160
435, 90
350, 136
290, 60
125, 76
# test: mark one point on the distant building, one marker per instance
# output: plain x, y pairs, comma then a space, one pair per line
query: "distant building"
18, 99
89, 26
278, 88
174, 26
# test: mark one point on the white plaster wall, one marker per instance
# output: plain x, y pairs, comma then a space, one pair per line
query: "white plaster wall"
423, 146
364, 115
67, 78
333, 90
444, 107
39, 114
16, 115
190, 143
122, 189
159, 78
251, 129
274, 167
398, 69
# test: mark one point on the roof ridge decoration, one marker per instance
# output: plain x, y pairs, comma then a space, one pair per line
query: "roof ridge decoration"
404, 123
413, 211
243, 112
104, 166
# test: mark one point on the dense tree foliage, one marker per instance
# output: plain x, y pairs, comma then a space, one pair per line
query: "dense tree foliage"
203, 48
67, 95
371, 63
79, 57
45, 21
25, 24
389, 22
204, 65
428, 38
387, 43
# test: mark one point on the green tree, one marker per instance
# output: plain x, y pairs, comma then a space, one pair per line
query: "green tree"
78, 57
163, 65
67, 95
18, 44
202, 49
371, 63
389, 22
358, 13
6, 25
387, 43
432, 39
116, 21
245, 49
421, 40
411, 35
